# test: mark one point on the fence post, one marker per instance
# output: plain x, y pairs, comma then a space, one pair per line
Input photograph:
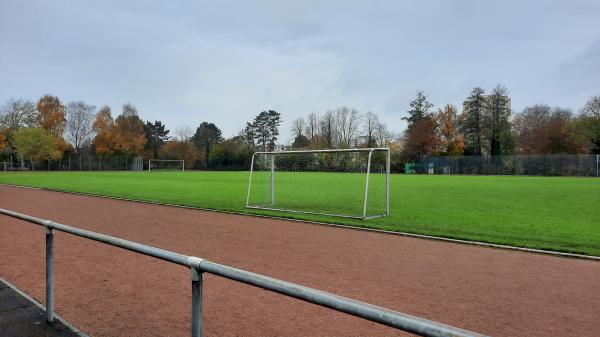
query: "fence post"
597, 165
196, 302
49, 276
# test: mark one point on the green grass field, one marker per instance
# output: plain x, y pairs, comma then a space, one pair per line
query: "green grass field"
561, 214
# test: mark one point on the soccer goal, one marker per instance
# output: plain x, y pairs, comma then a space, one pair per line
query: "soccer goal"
166, 165
351, 183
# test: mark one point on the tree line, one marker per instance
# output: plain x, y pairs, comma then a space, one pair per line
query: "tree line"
50, 129
342, 127
486, 125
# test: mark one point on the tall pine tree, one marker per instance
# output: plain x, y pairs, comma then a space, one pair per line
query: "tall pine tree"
264, 129
207, 135
419, 109
497, 115
473, 114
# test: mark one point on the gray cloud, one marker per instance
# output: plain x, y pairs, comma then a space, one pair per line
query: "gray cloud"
184, 62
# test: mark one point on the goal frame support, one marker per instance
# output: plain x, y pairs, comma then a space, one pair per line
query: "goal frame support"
364, 216
169, 160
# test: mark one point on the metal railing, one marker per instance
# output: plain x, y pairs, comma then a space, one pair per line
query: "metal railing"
198, 266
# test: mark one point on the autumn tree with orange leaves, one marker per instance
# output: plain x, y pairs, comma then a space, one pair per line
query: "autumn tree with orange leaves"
422, 138
104, 127
180, 149
52, 119
452, 142
421, 135
52, 115
129, 131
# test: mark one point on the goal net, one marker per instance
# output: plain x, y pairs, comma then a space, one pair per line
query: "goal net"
155, 165
351, 183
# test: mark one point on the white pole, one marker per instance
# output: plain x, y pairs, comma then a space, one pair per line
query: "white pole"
250, 180
149, 160
273, 179
367, 185
183, 164
387, 183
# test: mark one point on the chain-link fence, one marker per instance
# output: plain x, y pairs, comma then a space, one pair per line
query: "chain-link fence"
531, 165
84, 162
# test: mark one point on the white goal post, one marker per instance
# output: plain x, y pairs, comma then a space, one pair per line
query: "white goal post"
351, 183
156, 163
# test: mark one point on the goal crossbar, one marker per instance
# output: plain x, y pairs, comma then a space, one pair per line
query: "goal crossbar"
364, 215
166, 160
370, 149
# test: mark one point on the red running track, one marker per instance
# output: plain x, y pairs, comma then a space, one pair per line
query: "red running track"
106, 291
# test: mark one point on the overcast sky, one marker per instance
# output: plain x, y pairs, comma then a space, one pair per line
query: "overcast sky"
184, 62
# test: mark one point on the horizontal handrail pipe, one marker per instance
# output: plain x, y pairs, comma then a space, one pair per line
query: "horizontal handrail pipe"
416, 325
110, 240
391, 318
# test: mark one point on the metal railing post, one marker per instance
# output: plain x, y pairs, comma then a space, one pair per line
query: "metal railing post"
196, 302
49, 276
